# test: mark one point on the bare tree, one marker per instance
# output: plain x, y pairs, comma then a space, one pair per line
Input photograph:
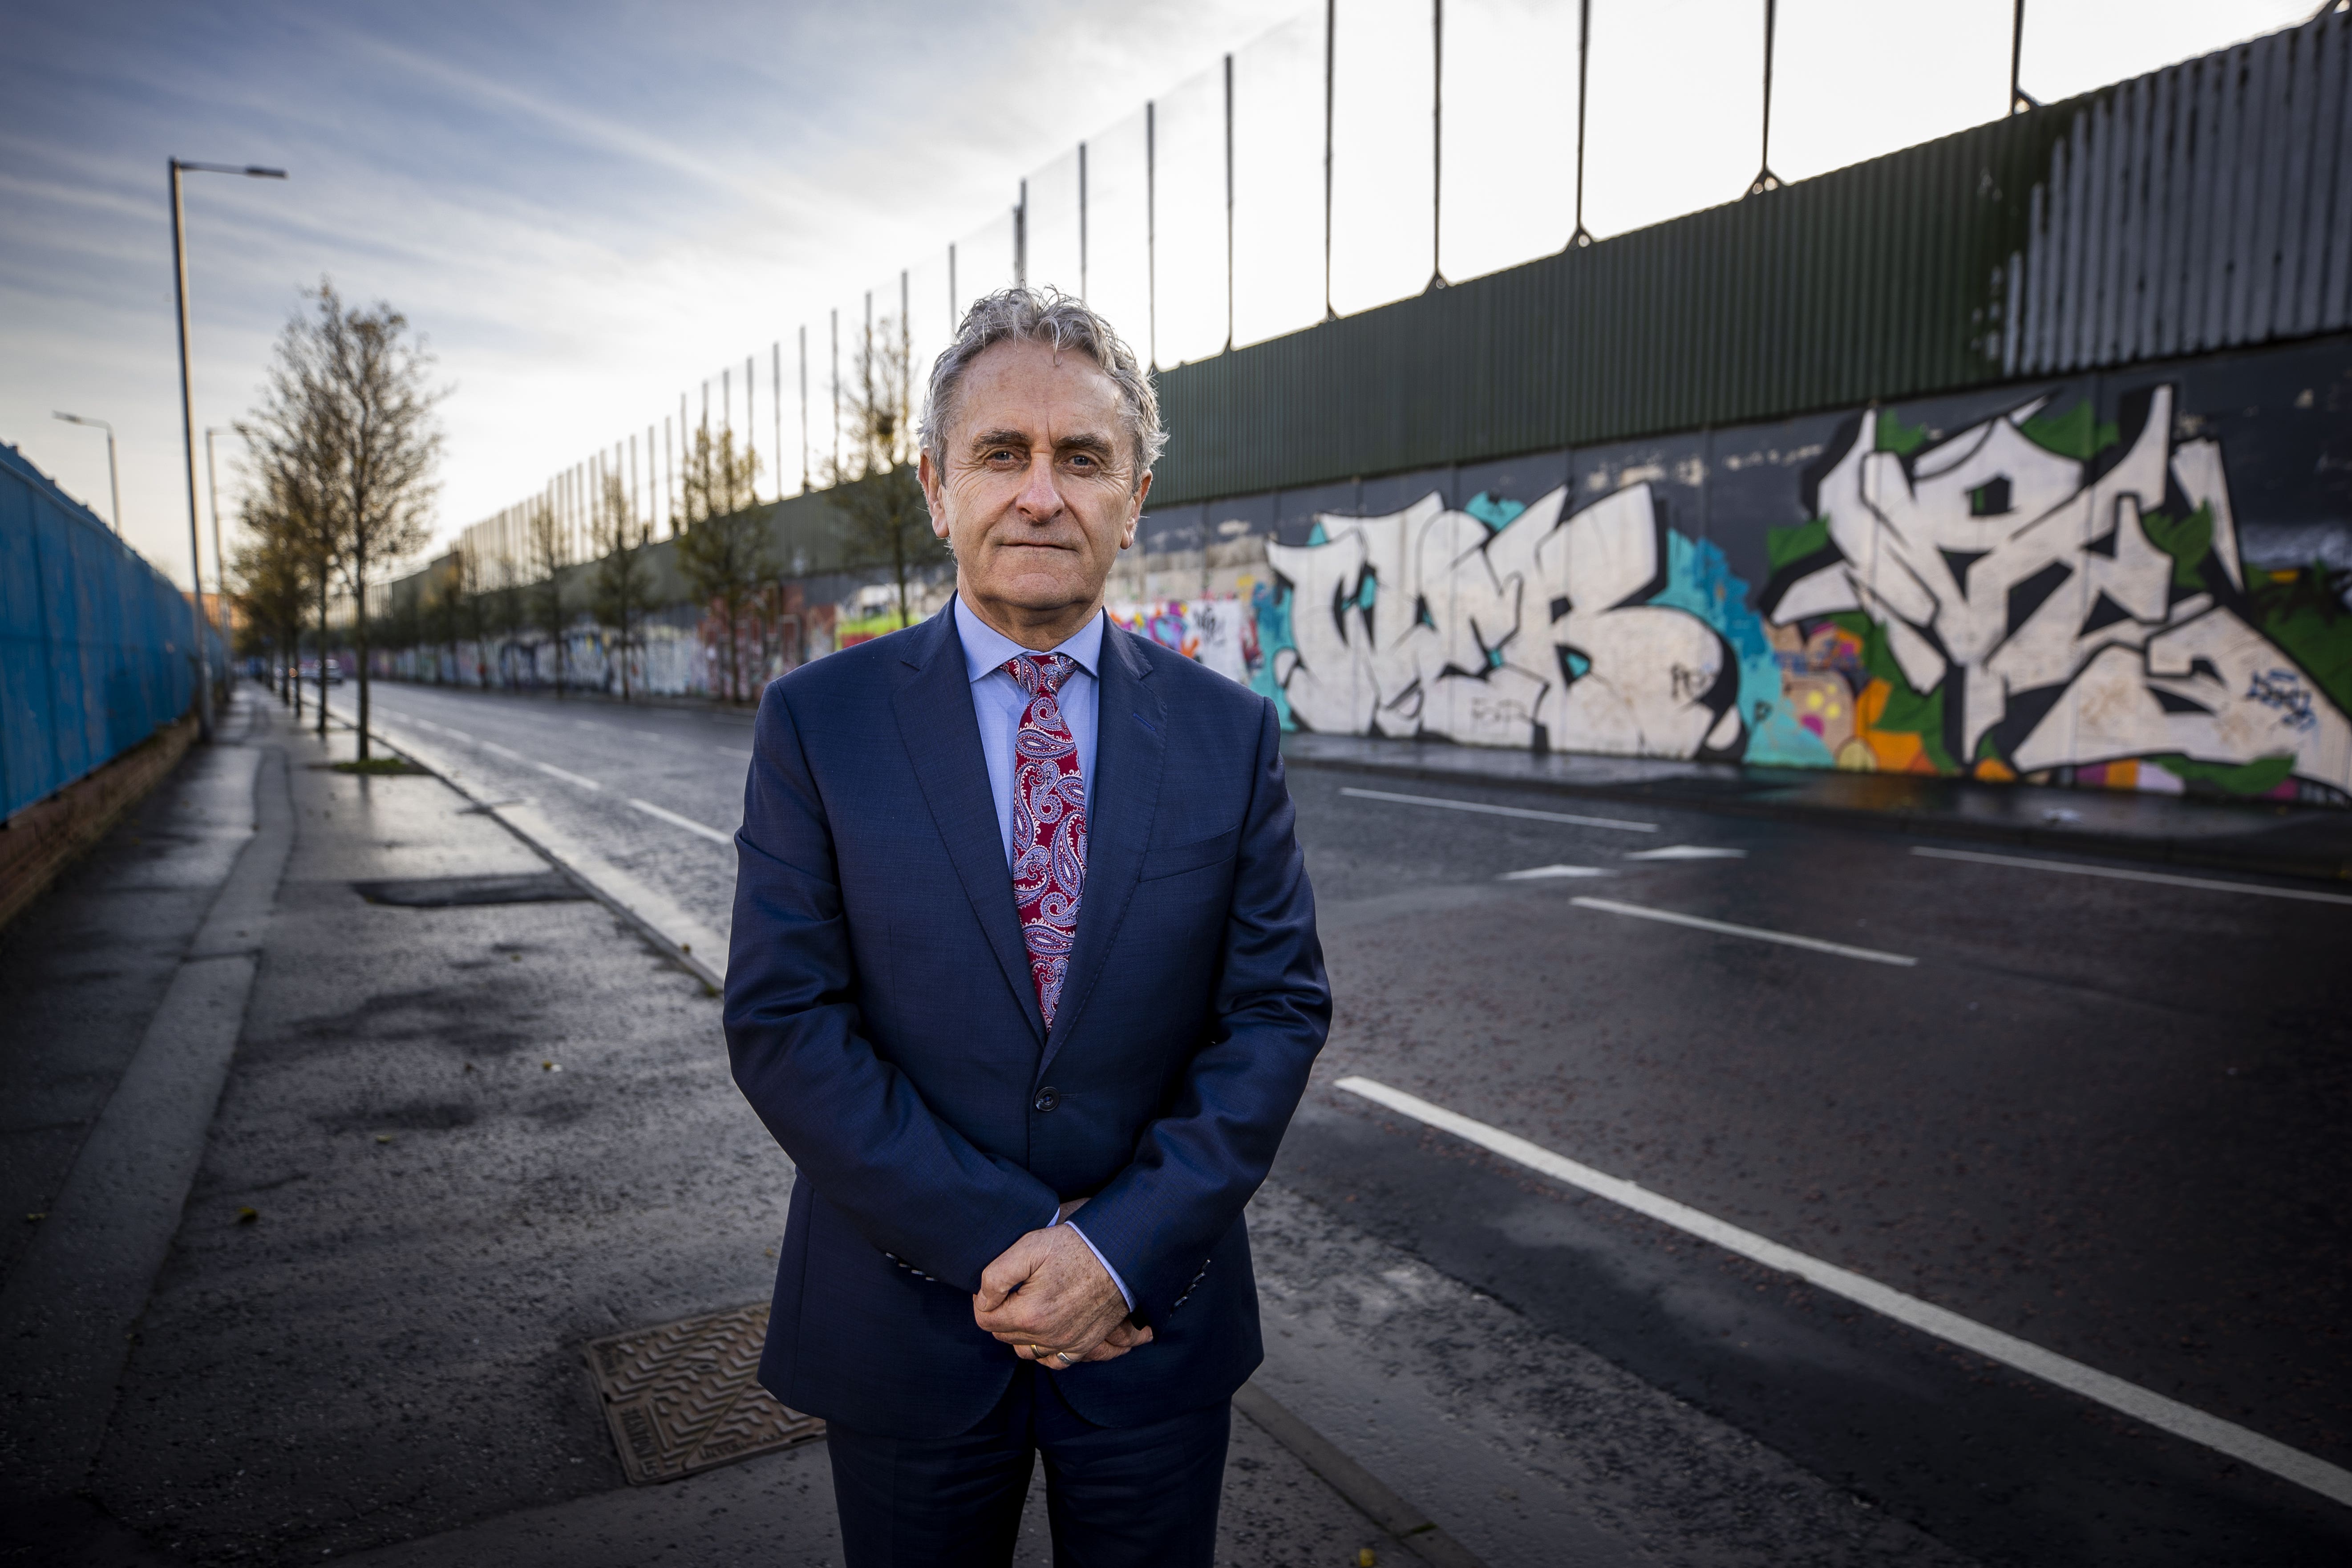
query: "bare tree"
550, 552
875, 485
291, 451
725, 552
272, 589
348, 406
624, 577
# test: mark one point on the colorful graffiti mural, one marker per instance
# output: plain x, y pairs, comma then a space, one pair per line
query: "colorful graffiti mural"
2039, 594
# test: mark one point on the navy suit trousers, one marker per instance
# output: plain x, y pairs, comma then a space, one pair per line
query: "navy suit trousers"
1140, 1496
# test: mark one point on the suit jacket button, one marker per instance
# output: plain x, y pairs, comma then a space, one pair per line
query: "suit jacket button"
1048, 1098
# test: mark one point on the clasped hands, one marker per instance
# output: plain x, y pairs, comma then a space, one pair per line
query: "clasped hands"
1050, 1298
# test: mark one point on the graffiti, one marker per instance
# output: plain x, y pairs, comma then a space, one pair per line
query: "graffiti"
2039, 606
1503, 625
1219, 632
2042, 593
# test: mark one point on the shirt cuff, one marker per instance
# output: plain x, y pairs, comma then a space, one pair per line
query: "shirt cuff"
1124, 1294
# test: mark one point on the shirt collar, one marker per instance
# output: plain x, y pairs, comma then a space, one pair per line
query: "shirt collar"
985, 649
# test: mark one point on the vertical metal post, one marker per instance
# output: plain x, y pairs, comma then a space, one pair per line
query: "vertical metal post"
188, 438
1152, 230
1082, 220
1331, 79
1229, 203
907, 347
776, 397
635, 497
1436, 141
955, 318
1582, 237
1766, 180
2019, 102
837, 393
805, 444
113, 485
1021, 239
751, 425
212, 489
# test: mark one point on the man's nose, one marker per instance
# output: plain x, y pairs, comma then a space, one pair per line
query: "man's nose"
1040, 500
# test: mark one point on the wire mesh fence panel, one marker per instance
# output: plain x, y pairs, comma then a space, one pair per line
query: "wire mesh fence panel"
1383, 165
983, 261
1648, 155
1190, 265
1119, 278
1053, 244
1278, 182
1842, 93
1509, 165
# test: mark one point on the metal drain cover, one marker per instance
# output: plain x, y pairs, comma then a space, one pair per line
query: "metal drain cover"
451, 893
685, 1397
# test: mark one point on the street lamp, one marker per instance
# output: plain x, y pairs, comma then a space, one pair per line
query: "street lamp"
188, 418
113, 482
220, 561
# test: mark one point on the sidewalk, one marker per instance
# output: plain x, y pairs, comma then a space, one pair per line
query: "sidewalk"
332, 1298
2262, 837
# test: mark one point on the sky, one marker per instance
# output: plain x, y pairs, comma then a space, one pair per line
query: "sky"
587, 210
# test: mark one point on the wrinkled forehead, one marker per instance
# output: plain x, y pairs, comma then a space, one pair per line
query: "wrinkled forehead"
1039, 390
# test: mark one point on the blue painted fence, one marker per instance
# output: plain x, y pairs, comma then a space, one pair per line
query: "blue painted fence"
94, 642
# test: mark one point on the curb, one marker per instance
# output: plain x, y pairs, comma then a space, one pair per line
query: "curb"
656, 917
1405, 1524
2166, 851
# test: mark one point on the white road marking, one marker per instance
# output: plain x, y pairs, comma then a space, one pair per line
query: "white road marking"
2076, 868
1689, 852
498, 751
459, 734
674, 820
1483, 809
555, 772
2166, 1414
649, 734
1540, 873
1724, 928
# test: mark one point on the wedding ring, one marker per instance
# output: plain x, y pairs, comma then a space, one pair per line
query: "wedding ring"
1037, 1352
1067, 1358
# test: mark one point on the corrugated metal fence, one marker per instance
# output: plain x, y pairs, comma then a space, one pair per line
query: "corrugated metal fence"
2206, 205
94, 642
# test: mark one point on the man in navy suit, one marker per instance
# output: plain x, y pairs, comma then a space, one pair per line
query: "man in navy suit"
1025, 978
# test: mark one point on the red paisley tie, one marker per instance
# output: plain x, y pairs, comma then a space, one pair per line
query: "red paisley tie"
1049, 824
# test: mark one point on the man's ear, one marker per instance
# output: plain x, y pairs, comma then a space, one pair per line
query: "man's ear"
1135, 511
933, 496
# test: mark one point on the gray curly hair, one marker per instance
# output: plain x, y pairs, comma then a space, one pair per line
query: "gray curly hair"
1062, 321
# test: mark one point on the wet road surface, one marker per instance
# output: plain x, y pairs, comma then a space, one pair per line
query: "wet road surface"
2103, 1114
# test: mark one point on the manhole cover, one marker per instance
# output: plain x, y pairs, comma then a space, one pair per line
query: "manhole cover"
449, 892
685, 1397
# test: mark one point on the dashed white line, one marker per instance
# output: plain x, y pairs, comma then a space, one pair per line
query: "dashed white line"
1544, 873
1689, 852
498, 751
2166, 1414
1447, 803
2076, 868
552, 771
460, 734
674, 820
1755, 933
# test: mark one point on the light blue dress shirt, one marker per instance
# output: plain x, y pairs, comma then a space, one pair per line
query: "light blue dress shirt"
997, 700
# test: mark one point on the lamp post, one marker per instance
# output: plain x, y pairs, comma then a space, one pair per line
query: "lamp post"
113, 482
188, 418
220, 561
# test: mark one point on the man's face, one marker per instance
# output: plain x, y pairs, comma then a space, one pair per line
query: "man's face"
1037, 496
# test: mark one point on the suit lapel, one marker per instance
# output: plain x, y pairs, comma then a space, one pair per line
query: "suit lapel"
1130, 747
942, 741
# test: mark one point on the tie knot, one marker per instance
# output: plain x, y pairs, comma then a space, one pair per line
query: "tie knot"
1041, 671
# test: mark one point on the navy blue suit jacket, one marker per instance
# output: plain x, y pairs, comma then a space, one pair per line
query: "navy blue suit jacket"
881, 1020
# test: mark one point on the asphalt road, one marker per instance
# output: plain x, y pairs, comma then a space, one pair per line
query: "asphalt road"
2103, 1115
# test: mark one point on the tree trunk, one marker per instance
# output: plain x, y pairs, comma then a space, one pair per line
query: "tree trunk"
360, 629
322, 655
